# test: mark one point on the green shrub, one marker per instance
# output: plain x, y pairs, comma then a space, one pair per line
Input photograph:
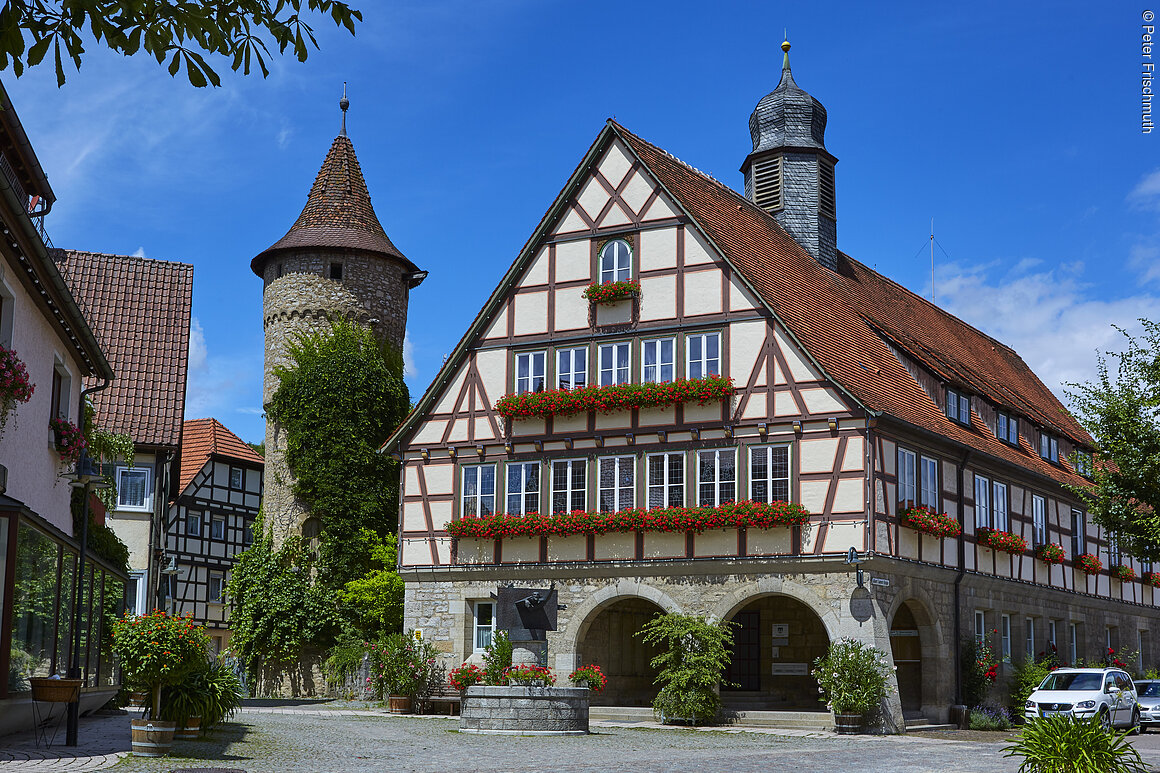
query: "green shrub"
693, 655
1061, 744
852, 676
343, 662
990, 718
1028, 676
497, 659
979, 670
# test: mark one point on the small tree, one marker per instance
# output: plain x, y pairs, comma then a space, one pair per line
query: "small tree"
694, 653
158, 650
852, 676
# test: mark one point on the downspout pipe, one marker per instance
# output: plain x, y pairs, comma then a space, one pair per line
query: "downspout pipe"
958, 643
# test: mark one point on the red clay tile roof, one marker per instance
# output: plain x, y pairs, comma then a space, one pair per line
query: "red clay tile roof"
139, 310
840, 319
205, 437
338, 212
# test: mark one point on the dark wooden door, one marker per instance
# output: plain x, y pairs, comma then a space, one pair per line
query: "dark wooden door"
744, 672
906, 647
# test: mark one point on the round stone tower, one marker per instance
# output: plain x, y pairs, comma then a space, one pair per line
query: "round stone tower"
335, 261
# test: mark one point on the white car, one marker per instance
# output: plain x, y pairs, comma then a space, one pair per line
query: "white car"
1148, 693
1107, 693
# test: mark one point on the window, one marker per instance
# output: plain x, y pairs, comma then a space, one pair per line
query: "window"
1051, 635
248, 533
616, 483
572, 368
478, 493
1007, 428
657, 360
827, 194
929, 479
1005, 637
999, 506
614, 359
1077, 537
980, 627
958, 407
279, 271
716, 477
907, 479
769, 473
1109, 638
569, 486
1030, 643
217, 587
1038, 520
615, 261
1140, 637
666, 480
1083, 463
1114, 557
7, 304
982, 503
61, 392
1048, 448
704, 352
1074, 635
193, 524
236, 478
217, 527
523, 488
336, 271
530, 372
134, 489
483, 625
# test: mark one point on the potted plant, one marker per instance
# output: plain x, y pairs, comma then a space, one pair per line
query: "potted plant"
1002, 540
156, 650
852, 677
928, 521
530, 676
398, 670
611, 292
589, 676
694, 653
1088, 563
1122, 572
69, 440
185, 703
15, 386
1050, 553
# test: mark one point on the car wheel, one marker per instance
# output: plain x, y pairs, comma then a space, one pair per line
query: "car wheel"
1106, 720
1135, 728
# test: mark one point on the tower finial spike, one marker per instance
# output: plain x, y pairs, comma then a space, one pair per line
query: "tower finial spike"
343, 104
785, 48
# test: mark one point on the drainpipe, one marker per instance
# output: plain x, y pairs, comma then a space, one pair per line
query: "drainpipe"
958, 643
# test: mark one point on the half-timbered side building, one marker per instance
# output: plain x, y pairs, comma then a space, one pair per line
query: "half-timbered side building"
211, 521
851, 397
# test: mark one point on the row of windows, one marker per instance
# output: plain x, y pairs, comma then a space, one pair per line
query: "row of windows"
194, 524
333, 270
658, 363
1069, 651
568, 485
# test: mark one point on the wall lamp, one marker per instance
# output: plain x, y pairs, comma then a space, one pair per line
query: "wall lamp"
539, 445
762, 430
662, 436
599, 441
695, 432
797, 428
630, 438
728, 433
481, 451
423, 452
452, 451
568, 443
856, 561
508, 447
832, 423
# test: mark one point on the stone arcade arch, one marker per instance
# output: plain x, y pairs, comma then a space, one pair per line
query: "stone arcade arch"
925, 669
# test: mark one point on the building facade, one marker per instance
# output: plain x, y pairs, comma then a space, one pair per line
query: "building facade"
850, 396
211, 521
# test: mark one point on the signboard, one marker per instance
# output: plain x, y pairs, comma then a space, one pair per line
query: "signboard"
780, 630
782, 641
775, 653
791, 669
880, 581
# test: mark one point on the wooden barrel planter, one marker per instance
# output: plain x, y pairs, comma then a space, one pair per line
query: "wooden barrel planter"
138, 700
152, 738
190, 730
848, 724
399, 704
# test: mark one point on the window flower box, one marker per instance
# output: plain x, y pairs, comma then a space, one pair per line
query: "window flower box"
1088, 563
1050, 553
731, 515
611, 292
1122, 572
618, 397
15, 387
927, 521
70, 442
1002, 540
1152, 578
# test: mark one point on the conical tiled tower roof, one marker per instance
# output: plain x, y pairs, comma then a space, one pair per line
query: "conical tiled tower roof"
338, 212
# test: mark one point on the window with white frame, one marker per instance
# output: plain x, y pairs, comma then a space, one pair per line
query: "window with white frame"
217, 527
523, 488
1110, 638
236, 477
1078, 543
999, 506
616, 483
769, 473
137, 593
658, 360
572, 367
907, 478
477, 497
1007, 428
217, 587
1114, 558
1073, 633
1038, 519
60, 406
958, 407
615, 261
248, 533
1005, 637
666, 480
703, 354
980, 627
614, 363
1030, 638
929, 482
1048, 447
193, 524
716, 477
530, 371
982, 503
1051, 640
569, 485
134, 488
1083, 463
483, 625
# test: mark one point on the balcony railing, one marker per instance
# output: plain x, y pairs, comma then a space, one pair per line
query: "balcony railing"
14, 180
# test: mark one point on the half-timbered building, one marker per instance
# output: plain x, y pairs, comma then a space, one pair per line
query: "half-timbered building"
211, 520
851, 396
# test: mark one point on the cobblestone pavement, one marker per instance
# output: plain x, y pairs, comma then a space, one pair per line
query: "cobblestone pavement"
346, 739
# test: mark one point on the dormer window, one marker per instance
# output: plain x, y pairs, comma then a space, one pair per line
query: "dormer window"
1083, 463
615, 261
1048, 447
1007, 428
958, 407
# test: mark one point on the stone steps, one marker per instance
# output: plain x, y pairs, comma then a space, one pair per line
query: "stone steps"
790, 720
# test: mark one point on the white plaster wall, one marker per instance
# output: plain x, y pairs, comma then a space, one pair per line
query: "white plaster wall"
823, 402
702, 292
573, 261
818, 455
637, 191
492, 365
745, 342
571, 309
615, 163
531, 311
132, 528
592, 197
658, 249
798, 366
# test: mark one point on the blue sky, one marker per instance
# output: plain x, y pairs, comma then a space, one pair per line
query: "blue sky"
1016, 126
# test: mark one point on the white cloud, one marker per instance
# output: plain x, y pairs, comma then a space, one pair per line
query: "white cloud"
197, 350
251, 411
1146, 194
409, 370
140, 253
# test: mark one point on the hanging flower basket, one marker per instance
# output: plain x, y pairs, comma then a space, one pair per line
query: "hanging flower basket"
1152, 578
620, 397
927, 521
1088, 564
15, 387
731, 515
1002, 540
1050, 553
1122, 572
611, 292
70, 442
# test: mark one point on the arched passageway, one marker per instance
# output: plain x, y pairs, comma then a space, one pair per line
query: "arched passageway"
906, 648
610, 642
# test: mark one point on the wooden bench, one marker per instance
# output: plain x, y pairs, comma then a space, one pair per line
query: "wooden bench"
445, 696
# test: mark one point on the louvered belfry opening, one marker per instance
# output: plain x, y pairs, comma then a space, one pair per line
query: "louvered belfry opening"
767, 183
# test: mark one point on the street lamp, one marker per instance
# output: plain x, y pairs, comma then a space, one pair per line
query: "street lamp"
86, 477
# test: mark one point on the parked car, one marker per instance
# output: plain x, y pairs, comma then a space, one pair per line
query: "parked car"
1148, 694
1107, 693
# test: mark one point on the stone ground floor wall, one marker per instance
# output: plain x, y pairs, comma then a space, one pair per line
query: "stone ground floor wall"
794, 606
